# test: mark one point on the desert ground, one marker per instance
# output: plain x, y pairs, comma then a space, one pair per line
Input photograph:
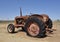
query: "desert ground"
20, 36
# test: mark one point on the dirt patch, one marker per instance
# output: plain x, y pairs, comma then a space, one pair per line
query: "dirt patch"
20, 36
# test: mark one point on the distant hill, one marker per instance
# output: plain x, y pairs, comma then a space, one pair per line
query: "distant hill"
6, 21
57, 20
11, 21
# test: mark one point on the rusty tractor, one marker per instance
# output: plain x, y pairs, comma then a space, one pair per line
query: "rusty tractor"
34, 25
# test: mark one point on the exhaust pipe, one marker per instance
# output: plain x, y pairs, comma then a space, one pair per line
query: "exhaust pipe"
20, 12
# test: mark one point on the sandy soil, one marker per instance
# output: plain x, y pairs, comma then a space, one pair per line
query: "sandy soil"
21, 36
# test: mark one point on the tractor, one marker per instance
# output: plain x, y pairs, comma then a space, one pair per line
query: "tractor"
34, 25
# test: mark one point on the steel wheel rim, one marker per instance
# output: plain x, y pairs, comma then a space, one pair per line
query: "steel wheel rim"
33, 29
10, 28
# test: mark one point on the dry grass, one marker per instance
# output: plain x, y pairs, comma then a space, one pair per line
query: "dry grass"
22, 37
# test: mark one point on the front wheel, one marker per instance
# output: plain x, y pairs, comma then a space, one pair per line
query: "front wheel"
10, 28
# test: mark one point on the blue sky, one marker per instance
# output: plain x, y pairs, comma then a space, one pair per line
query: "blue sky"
9, 9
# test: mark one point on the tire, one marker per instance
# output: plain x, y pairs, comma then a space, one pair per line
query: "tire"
10, 28
49, 23
23, 28
40, 24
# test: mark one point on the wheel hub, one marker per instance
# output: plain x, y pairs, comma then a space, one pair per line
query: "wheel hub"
33, 29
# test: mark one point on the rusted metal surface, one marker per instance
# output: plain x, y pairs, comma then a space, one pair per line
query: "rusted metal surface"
45, 17
42, 17
23, 22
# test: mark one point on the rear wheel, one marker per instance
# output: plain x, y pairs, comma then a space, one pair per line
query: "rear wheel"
35, 27
10, 28
49, 23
